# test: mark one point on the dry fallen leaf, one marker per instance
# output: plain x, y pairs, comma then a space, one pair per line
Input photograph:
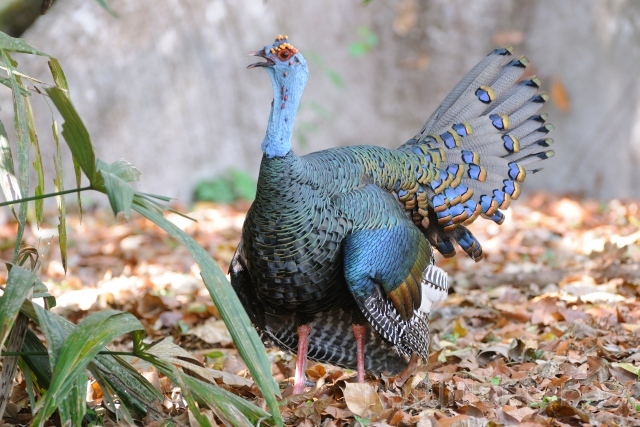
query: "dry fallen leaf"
560, 283
362, 399
627, 367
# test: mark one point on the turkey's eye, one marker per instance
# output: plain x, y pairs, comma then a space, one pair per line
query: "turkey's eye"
284, 51
284, 54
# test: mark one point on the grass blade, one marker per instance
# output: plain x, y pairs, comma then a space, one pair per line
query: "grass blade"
220, 403
58, 184
135, 391
170, 352
38, 365
79, 348
78, 173
12, 44
121, 169
111, 372
73, 409
8, 181
244, 335
119, 192
211, 395
37, 163
60, 80
22, 144
16, 291
13, 327
6, 82
115, 179
75, 133
54, 332
58, 74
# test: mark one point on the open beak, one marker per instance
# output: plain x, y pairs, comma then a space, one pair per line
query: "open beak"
269, 62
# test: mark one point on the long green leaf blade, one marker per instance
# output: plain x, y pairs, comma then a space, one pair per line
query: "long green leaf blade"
39, 365
78, 173
75, 133
119, 192
220, 403
203, 421
134, 390
127, 402
80, 347
73, 409
115, 182
120, 168
37, 163
211, 394
6, 82
60, 80
58, 74
12, 44
111, 372
22, 144
245, 337
54, 332
16, 291
8, 180
58, 184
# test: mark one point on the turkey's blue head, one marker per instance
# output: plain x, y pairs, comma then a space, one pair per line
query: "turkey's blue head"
288, 71
281, 57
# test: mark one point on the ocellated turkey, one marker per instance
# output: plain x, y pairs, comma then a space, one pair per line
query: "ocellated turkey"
336, 251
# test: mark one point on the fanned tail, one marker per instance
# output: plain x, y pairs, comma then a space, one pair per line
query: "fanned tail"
481, 139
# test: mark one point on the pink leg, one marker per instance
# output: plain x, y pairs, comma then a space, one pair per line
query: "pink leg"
301, 362
359, 332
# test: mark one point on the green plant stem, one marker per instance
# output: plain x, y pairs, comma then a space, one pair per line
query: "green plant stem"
44, 196
44, 353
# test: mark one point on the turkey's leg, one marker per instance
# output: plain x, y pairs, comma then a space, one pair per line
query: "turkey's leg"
359, 332
301, 362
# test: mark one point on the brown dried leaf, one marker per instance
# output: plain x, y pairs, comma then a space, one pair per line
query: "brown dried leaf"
397, 417
627, 367
212, 331
457, 421
520, 413
561, 409
316, 372
470, 410
362, 399
492, 353
338, 413
544, 310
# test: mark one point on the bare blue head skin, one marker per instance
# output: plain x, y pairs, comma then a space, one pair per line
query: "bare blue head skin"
288, 72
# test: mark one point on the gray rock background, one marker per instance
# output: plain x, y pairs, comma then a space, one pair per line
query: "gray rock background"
165, 86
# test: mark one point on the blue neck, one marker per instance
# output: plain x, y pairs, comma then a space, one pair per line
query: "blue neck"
286, 98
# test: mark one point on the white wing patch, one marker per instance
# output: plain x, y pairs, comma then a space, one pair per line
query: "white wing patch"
435, 287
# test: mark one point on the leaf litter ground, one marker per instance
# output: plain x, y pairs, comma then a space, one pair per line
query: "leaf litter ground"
544, 331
